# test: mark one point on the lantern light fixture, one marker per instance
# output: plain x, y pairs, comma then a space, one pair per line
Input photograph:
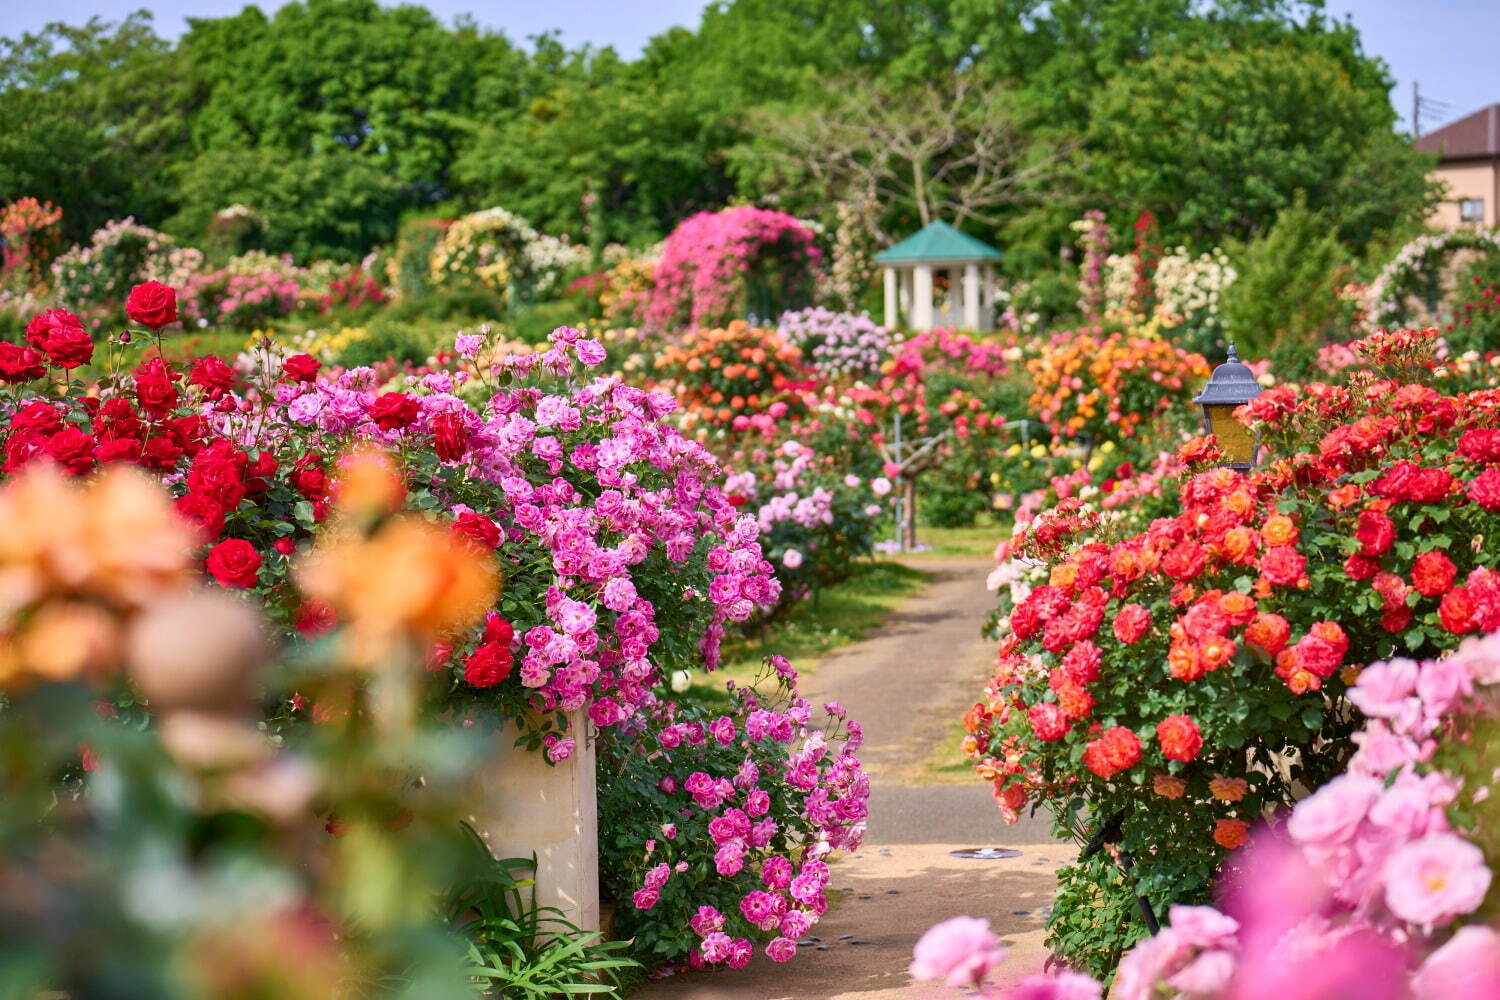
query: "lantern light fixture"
1231, 386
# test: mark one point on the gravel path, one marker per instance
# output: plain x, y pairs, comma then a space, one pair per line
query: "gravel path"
907, 684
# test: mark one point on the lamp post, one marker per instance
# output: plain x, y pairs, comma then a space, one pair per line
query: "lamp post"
1231, 386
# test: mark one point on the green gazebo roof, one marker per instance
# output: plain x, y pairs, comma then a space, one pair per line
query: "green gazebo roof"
937, 243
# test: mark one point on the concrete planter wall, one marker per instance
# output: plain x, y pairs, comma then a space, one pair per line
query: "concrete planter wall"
528, 806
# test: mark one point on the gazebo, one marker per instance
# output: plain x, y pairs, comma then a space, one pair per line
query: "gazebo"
911, 265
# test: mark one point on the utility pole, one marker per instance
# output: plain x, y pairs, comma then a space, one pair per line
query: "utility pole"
1416, 110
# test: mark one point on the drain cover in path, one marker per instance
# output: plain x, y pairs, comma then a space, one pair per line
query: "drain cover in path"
986, 853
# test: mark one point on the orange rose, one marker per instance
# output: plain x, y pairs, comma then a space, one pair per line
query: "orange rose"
1238, 607
1169, 786
1231, 833
1185, 662
1239, 545
1228, 789
1279, 530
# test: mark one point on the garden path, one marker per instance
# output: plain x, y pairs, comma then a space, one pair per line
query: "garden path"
907, 684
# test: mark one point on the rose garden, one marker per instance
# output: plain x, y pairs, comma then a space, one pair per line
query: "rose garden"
488, 595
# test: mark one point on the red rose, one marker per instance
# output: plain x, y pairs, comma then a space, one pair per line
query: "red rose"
117, 419
497, 629
1269, 632
1392, 590
118, 450
1184, 561
36, 417
207, 514
1375, 533
1132, 622
477, 527
21, 449
218, 473
394, 410
301, 368
1457, 611
39, 330
1115, 751
72, 449
1431, 485
190, 432
1179, 738
1283, 566
1395, 619
449, 437
286, 545
1082, 662
161, 454
152, 305
1047, 721
69, 347
1433, 573
1478, 445
1317, 656
211, 375
314, 618
1395, 483
488, 665
1485, 489
439, 655
259, 472
1357, 567
156, 394
20, 364
310, 480
234, 563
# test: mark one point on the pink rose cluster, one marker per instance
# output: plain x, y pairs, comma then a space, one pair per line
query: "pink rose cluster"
1364, 895
706, 259
614, 502
764, 795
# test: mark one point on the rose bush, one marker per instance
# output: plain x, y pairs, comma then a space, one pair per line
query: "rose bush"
718, 825
1172, 676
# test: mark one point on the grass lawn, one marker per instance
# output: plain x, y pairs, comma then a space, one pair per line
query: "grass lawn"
977, 542
839, 615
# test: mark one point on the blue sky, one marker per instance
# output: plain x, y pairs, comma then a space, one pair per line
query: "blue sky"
1445, 45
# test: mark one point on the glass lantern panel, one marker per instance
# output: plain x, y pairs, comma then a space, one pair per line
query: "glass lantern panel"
1234, 438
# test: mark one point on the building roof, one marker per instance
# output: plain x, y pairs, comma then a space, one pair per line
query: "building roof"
937, 243
1475, 136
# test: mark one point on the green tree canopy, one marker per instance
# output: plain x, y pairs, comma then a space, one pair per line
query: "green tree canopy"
1218, 142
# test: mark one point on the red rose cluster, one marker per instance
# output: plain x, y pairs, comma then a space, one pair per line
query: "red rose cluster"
1355, 534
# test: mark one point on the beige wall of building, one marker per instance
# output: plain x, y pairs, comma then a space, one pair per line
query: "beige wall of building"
1466, 181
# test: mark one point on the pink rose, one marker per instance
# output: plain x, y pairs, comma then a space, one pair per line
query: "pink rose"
1430, 881
1467, 966
1332, 814
960, 952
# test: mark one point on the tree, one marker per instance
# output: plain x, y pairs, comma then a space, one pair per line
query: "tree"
950, 149
92, 118
1284, 296
1217, 143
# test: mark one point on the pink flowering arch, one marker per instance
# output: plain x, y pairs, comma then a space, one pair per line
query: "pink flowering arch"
713, 261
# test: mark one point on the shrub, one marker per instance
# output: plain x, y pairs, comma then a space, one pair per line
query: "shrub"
717, 824
1144, 661
837, 345
719, 266
729, 377
120, 255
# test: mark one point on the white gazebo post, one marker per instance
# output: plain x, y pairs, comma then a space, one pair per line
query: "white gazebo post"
921, 307
891, 295
909, 267
972, 305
